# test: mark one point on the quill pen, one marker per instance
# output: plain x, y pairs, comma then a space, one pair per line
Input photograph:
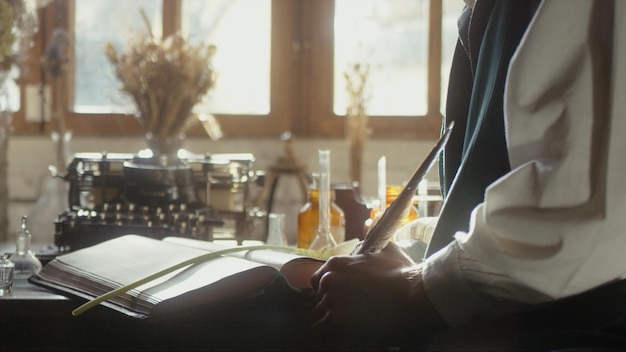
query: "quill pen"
380, 234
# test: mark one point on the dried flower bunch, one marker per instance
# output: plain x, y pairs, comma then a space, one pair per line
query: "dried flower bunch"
356, 81
356, 117
165, 78
6, 30
18, 22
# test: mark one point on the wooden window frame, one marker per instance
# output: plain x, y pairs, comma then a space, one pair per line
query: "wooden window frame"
301, 83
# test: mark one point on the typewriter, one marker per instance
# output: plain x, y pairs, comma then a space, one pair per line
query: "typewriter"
190, 195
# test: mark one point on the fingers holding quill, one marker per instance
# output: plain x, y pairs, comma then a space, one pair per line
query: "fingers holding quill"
359, 294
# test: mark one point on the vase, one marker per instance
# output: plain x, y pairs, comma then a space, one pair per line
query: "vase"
166, 144
164, 149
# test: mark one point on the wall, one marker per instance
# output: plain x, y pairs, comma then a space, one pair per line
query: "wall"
29, 157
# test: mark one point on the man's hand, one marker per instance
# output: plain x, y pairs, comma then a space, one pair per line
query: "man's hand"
371, 295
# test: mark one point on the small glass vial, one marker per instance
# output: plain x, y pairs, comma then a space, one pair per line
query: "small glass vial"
7, 270
26, 264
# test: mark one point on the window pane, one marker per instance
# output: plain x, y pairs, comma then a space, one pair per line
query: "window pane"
391, 36
96, 87
449, 32
241, 31
9, 92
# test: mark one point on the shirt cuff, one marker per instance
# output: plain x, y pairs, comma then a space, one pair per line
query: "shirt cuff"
450, 293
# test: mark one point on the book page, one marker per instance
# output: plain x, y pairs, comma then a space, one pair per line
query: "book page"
298, 272
297, 269
129, 258
208, 246
273, 258
195, 277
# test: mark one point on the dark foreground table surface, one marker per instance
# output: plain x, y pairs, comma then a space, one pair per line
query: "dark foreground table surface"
36, 319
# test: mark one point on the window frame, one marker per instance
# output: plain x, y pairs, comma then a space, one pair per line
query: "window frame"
301, 83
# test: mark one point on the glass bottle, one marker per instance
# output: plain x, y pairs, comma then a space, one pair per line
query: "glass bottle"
26, 264
7, 270
391, 193
308, 219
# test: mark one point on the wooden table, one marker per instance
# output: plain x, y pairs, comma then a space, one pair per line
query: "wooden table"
34, 318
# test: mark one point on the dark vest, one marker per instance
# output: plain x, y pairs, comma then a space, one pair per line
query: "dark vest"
476, 154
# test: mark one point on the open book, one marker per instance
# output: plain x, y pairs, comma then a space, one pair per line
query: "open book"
96, 270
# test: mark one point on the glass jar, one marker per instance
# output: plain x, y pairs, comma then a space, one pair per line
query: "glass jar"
276, 230
391, 193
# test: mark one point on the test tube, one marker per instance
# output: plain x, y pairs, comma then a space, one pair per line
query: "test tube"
324, 190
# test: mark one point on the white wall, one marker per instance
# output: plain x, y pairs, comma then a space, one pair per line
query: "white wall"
29, 157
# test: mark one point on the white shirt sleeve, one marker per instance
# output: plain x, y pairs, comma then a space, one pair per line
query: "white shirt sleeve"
555, 225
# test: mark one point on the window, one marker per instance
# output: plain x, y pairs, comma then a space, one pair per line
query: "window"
391, 37
243, 58
279, 62
11, 100
95, 86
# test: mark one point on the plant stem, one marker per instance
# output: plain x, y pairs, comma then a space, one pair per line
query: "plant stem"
196, 260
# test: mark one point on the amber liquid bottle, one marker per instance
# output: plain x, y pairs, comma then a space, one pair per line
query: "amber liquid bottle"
308, 220
391, 193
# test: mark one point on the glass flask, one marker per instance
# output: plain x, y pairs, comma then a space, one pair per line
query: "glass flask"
26, 264
308, 219
320, 216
